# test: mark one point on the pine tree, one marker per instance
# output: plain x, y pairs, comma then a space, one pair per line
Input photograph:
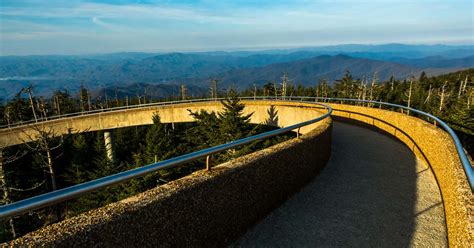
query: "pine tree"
159, 141
205, 131
233, 124
344, 88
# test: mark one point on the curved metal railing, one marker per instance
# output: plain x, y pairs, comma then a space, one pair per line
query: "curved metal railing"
74, 191
467, 167
61, 195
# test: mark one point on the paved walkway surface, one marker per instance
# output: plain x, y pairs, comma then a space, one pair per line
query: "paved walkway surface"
373, 193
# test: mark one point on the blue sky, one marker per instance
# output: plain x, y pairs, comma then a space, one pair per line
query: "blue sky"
102, 26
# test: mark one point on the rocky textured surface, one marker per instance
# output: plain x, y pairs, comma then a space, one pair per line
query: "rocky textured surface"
429, 143
373, 193
289, 113
205, 209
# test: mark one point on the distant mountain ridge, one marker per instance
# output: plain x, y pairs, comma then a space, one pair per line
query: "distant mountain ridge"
304, 65
150, 91
437, 62
310, 71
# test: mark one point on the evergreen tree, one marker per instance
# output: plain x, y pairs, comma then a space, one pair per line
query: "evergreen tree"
345, 87
205, 131
233, 124
159, 141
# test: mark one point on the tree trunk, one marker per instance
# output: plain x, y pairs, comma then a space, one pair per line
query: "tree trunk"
32, 105
429, 95
409, 95
89, 100
6, 195
443, 96
51, 170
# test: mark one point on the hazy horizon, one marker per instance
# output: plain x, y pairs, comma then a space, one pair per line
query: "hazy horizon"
246, 49
82, 27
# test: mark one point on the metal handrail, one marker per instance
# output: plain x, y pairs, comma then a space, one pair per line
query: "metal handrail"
74, 191
467, 167
61, 195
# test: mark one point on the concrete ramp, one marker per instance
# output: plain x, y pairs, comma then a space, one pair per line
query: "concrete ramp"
373, 192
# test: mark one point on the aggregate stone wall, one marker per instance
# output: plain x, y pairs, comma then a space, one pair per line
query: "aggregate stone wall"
173, 113
204, 209
434, 146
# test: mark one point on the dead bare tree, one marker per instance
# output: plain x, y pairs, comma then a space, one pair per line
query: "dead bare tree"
372, 87
254, 91
183, 92
89, 100
7, 115
106, 101
4, 185
363, 89
29, 90
81, 98
6, 191
465, 85
57, 104
317, 91
392, 82
116, 97
428, 97
213, 88
409, 94
139, 99
443, 95
284, 85
275, 89
462, 87
42, 108
144, 95
44, 142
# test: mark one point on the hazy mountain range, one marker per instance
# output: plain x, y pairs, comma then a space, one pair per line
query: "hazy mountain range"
162, 73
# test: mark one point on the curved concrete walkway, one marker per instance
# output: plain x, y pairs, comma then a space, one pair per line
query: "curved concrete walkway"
373, 193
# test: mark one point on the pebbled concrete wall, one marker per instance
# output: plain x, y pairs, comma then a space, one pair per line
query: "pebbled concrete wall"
434, 146
428, 142
168, 113
204, 209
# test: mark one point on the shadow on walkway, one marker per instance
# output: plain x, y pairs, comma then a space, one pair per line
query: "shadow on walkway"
373, 192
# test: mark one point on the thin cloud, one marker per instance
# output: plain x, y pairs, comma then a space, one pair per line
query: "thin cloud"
217, 25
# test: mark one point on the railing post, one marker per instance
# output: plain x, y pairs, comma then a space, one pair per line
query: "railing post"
208, 162
298, 133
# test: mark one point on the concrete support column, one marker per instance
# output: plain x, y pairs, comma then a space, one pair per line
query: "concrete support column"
109, 145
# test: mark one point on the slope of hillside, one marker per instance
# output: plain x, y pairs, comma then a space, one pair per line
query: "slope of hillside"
437, 62
49, 73
150, 91
309, 71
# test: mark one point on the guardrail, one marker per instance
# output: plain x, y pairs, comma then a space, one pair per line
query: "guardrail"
61, 195
54, 197
468, 170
